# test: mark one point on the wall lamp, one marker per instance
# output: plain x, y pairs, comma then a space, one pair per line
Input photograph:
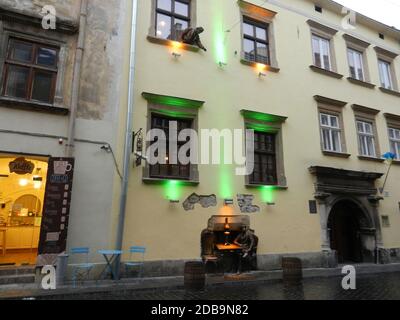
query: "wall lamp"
271, 204
261, 74
174, 201
222, 64
228, 202
176, 55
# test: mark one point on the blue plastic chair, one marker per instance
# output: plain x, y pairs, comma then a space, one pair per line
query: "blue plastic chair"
81, 270
136, 251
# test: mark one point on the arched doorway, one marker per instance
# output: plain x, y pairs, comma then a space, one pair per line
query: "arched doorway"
345, 224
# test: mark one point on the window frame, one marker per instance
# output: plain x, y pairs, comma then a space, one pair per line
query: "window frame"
256, 24
394, 140
351, 56
32, 66
388, 66
363, 138
169, 167
331, 129
320, 40
173, 15
260, 153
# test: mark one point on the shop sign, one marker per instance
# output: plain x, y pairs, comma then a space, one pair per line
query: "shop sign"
21, 166
57, 202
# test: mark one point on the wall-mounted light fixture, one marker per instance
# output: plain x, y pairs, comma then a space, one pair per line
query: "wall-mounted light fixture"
261, 74
222, 64
228, 202
271, 204
174, 201
176, 55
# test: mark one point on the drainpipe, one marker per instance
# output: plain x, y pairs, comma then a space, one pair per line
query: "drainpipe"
76, 80
128, 138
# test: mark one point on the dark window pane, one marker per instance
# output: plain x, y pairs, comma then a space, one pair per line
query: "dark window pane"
182, 8
42, 86
21, 51
163, 26
47, 57
165, 5
17, 81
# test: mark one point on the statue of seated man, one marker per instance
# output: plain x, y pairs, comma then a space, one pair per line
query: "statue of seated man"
192, 36
246, 240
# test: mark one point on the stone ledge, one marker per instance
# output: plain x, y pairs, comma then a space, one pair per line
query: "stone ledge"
326, 72
336, 154
32, 106
253, 64
163, 180
371, 159
388, 91
361, 83
169, 43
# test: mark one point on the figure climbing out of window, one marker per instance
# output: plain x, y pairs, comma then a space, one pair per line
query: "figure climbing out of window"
192, 36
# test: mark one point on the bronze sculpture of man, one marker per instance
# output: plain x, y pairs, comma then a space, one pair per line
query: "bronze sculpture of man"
192, 36
246, 240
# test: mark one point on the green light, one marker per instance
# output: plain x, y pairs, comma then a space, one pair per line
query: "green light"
173, 190
267, 194
219, 34
172, 101
225, 180
266, 117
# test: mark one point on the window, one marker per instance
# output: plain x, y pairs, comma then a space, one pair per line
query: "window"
172, 18
30, 71
265, 167
356, 64
321, 52
385, 74
330, 132
394, 139
176, 171
255, 42
366, 138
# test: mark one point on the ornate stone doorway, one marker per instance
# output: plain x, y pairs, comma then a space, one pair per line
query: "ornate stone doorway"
348, 207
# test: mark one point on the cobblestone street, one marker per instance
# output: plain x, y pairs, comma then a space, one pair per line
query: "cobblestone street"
374, 287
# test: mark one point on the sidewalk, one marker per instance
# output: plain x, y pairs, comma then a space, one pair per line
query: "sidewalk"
22, 291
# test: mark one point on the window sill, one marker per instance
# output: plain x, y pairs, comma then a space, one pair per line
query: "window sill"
326, 72
255, 64
32, 106
396, 162
163, 180
278, 187
361, 83
392, 92
336, 154
169, 43
371, 159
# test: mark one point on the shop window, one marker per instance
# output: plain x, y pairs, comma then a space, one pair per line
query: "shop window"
30, 71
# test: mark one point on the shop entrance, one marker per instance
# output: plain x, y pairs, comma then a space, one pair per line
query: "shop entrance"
345, 231
22, 191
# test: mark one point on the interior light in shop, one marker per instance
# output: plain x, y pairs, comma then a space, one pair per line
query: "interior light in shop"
37, 185
23, 182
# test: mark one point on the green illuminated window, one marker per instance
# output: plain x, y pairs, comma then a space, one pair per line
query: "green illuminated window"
265, 172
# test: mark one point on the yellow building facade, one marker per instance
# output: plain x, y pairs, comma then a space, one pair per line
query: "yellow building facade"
321, 88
